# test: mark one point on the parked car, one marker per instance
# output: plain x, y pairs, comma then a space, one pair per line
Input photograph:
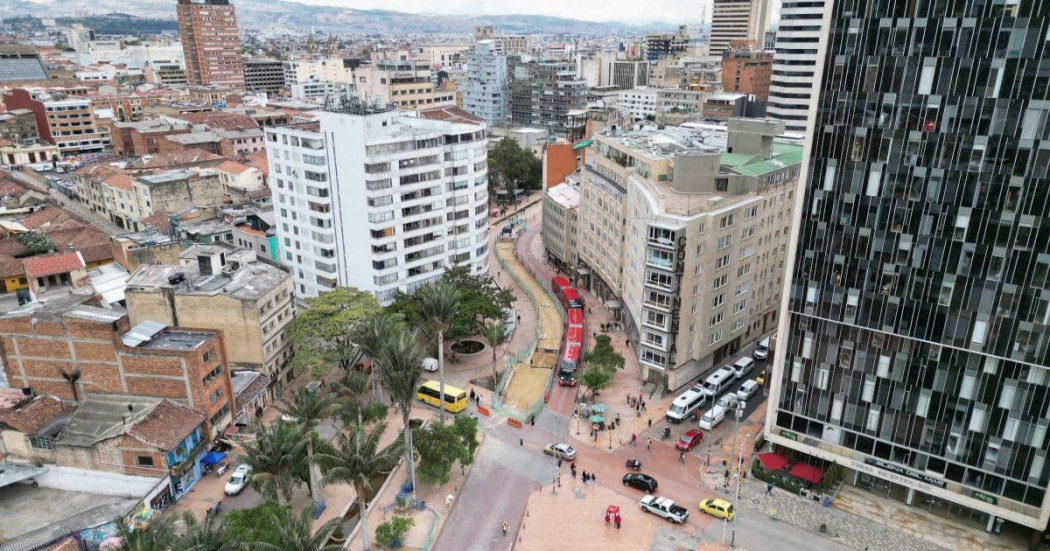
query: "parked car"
743, 366
761, 379
238, 480
664, 507
641, 482
430, 364
747, 390
288, 418
761, 349
712, 418
690, 440
561, 451
718, 508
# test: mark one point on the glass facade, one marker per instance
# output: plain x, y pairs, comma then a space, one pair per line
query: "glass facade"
917, 337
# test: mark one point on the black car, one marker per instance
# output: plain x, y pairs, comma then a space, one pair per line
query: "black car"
640, 481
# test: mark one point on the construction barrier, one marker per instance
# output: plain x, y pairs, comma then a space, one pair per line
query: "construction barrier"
513, 422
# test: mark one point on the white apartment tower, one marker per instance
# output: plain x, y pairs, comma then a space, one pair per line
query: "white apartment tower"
738, 20
378, 199
794, 62
485, 90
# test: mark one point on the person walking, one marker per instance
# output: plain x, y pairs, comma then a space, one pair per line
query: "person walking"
473, 397
681, 457
586, 477
634, 439
769, 489
504, 527
618, 520
649, 444
572, 469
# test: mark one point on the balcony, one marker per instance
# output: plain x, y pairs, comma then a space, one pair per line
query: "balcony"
420, 209
383, 249
428, 267
384, 264
663, 238
419, 240
420, 224
659, 259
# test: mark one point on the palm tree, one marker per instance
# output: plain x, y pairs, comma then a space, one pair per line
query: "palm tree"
439, 303
158, 536
309, 407
369, 335
277, 457
206, 536
402, 361
295, 533
353, 409
495, 334
357, 461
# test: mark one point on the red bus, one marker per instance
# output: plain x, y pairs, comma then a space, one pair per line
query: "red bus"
574, 316
566, 293
570, 358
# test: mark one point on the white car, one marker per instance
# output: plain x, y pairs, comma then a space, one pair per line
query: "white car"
238, 480
747, 390
430, 364
561, 451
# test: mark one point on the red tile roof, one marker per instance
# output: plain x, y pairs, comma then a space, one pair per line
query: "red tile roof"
34, 415
60, 263
167, 425
158, 220
233, 167
453, 114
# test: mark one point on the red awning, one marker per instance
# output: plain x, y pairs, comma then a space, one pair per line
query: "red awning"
772, 461
809, 473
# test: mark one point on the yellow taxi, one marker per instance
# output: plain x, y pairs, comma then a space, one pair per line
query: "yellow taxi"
718, 508
761, 379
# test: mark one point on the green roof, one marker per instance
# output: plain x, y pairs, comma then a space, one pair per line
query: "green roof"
784, 155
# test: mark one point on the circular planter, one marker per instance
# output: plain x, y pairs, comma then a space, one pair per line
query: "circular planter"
468, 347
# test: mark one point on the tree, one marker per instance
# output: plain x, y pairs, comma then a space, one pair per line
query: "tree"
467, 431
596, 378
158, 536
254, 524
353, 408
278, 459
480, 299
36, 242
391, 534
370, 333
322, 334
402, 361
207, 536
513, 168
495, 334
309, 407
357, 460
439, 447
439, 304
295, 533
604, 355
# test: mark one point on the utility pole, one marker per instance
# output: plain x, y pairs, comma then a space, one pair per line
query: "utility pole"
739, 478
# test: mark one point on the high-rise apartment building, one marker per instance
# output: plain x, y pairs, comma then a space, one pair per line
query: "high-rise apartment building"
378, 199
794, 62
738, 20
485, 89
404, 83
746, 69
915, 347
63, 120
685, 239
264, 75
208, 29
542, 94
505, 44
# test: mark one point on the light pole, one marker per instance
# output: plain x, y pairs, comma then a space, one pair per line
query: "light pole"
738, 411
739, 478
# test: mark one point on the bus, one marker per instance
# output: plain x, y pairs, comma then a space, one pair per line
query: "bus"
430, 393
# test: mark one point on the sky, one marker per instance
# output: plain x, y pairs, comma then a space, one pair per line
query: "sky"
630, 11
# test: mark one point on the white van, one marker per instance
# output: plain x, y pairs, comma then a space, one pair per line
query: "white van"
718, 382
712, 418
762, 348
747, 390
743, 366
684, 405
430, 364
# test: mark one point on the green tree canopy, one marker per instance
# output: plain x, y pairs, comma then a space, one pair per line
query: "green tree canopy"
480, 300
279, 460
36, 242
440, 446
295, 533
255, 524
604, 355
596, 378
322, 333
513, 168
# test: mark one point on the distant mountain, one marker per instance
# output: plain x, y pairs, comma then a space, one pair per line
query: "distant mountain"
294, 16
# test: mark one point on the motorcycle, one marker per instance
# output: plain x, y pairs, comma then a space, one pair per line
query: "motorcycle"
667, 433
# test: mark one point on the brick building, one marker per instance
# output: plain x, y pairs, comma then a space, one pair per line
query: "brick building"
70, 348
143, 137
746, 69
208, 29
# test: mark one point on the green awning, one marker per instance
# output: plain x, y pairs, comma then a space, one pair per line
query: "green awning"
583, 144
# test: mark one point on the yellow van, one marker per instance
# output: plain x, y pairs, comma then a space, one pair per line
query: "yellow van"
430, 393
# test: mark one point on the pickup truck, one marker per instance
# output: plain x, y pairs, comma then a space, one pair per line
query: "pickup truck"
664, 507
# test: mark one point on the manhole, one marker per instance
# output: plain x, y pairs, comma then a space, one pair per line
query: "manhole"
755, 501
545, 304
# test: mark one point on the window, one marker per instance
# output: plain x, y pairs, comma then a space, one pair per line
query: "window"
739, 307
717, 301
743, 270
750, 213
721, 280
748, 232
725, 241
737, 325
716, 319
714, 337
743, 288
725, 221
722, 262
144, 460
209, 355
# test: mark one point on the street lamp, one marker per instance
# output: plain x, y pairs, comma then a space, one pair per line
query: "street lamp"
739, 478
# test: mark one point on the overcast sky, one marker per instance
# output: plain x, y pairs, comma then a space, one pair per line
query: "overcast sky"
634, 11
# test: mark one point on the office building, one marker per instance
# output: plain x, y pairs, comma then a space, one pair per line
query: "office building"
914, 349
485, 90
405, 84
627, 74
795, 62
684, 240
135, 55
62, 120
19, 126
686, 41
222, 287
561, 215
746, 69
443, 54
212, 49
264, 75
542, 93
639, 103
330, 69
378, 199
505, 44
738, 20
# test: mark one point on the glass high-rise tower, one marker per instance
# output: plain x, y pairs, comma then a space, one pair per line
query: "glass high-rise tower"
914, 349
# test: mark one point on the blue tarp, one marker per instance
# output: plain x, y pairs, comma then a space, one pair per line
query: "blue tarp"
211, 458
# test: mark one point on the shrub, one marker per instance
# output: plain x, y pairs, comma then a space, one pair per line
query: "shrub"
391, 534
759, 442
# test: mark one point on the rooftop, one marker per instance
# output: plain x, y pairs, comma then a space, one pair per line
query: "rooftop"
101, 417
196, 137
53, 264
34, 518
177, 339
32, 415
565, 194
250, 281
166, 176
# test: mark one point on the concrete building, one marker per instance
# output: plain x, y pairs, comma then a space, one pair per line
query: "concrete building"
330, 69
915, 347
722, 107
683, 42
627, 74
746, 69
144, 137
20, 63
422, 207
65, 121
26, 154
543, 93
165, 74
19, 126
223, 288
738, 20
485, 90
683, 232
174, 190
45, 344
212, 49
638, 103
147, 53
561, 210
676, 100
442, 54
795, 62
405, 84
505, 44
152, 246
264, 75
314, 89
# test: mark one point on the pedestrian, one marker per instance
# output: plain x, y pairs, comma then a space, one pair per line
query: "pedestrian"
585, 477
643, 405
650, 423
473, 398
628, 343
634, 439
769, 489
649, 444
504, 526
618, 520
519, 319
593, 478
572, 469
628, 397
681, 457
